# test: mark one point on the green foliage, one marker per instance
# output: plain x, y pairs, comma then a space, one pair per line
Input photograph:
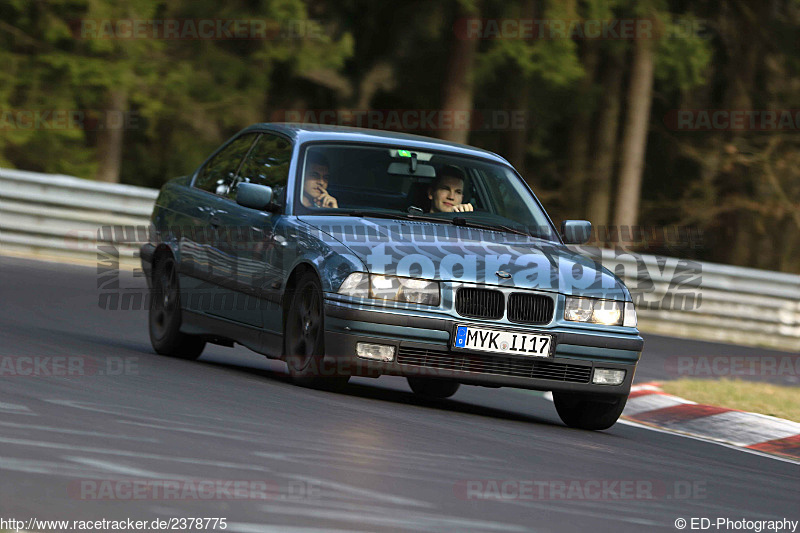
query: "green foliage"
552, 61
195, 92
683, 55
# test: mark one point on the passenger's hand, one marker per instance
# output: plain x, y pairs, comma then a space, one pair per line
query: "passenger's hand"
326, 200
462, 208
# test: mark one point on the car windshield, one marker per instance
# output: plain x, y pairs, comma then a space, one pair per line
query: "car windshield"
403, 182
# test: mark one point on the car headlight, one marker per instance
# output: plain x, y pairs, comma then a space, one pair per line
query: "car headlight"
356, 284
593, 310
394, 288
579, 309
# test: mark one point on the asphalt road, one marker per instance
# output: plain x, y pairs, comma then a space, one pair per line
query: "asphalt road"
372, 458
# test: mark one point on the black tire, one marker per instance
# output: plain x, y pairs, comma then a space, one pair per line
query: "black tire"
165, 315
592, 412
432, 388
304, 337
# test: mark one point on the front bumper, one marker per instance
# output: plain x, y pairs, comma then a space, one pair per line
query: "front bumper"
422, 348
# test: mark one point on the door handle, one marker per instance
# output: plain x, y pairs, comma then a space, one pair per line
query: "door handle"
215, 221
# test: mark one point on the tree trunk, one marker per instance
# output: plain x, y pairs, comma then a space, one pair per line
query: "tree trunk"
520, 101
109, 137
574, 185
602, 172
634, 140
518, 139
459, 85
741, 77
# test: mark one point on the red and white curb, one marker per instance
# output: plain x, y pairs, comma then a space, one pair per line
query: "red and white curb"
649, 405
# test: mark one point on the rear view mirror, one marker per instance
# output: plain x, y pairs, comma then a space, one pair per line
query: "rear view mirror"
576, 231
254, 196
404, 169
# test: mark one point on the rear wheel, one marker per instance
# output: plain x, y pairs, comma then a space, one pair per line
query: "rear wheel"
304, 337
164, 317
433, 389
584, 411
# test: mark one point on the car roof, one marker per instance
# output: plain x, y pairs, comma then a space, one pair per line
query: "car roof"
304, 132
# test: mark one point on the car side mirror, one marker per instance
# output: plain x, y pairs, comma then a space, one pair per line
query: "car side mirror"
254, 196
576, 231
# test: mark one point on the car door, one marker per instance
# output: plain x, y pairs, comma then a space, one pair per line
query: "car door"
204, 266
252, 250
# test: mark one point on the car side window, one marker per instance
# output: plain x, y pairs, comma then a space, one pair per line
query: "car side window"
217, 175
268, 164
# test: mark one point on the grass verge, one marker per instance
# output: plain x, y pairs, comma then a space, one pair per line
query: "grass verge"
764, 398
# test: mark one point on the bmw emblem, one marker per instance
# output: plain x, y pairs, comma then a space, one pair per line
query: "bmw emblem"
503, 274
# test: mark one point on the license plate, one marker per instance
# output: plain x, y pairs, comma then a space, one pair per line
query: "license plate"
505, 342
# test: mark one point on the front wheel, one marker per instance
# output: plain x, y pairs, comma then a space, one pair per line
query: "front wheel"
164, 319
432, 388
304, 337
586, 411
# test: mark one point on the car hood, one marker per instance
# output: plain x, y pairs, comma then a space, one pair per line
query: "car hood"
460, 254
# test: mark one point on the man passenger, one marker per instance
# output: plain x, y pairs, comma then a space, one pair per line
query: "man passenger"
446, 193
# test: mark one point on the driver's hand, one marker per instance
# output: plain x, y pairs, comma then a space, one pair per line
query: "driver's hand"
462, 208
326, 200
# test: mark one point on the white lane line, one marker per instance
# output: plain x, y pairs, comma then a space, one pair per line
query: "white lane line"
77, 432
124, 411
15, 409
416, 473
737, 427
605, 513
651, 402
396, 517
358, 453
369, 495
216, 434
137, 455
245, 527
35, 466
125, 470
353, 449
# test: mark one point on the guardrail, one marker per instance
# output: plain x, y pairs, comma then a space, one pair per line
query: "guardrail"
58, 216
723, 303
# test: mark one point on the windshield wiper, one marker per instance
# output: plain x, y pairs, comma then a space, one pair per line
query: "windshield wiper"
399, 216
456, 221
461, 221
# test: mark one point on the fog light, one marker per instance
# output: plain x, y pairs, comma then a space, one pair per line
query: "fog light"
608, 376
379, 352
